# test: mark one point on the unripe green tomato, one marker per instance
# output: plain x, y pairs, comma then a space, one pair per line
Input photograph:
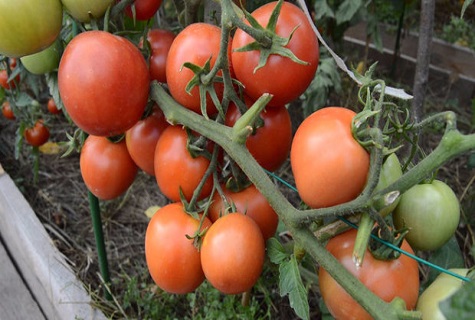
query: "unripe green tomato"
85, 9
390, 173
44, 61
27, 27
443, 286
431, 211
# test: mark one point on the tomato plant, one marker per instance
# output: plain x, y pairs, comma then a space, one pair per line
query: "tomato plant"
176, 169
330, 167
38, 134
270, 143
172, 258
160, 42
269, 79
86, 10
97, 59
52, 107
7, 110
106, 167
431, 211
232, 253
387, 279
142, 139
143, 9
196, 44
443, 287
44, 61
6, 82
27, 27
250, 202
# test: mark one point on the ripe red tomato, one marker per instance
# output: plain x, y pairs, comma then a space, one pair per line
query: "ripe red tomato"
142, 139
106, 167
386, 279
270, 144
104, 83
37, 135
144, 9
52, 107
172, 259
160, 42
330, 167
251, 202
232, 253
176, 169
282, 77
197, 43
7, 110
4, 80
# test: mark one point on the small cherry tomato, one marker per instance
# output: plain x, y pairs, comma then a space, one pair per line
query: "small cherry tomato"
52, 107
7, 110
38, 134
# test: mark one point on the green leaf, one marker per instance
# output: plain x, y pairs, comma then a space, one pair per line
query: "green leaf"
322, 9
276, 251
291, 284
466, 3
461, 305
448, 256
347, 10
23, 99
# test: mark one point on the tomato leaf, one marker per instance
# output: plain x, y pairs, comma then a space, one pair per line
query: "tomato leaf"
322, 9
276, 251
347, 10
291, 284
448, 256
461, 305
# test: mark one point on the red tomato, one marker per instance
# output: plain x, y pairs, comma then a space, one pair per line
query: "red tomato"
142, 139
232, 253
160, 42
172, 259
7, 110
37, 135
270, 144
4, 80
197, 43
176, 169
386, 279
251, 202
52, 107
106, 167
281, 77
330, 167
104, 83
144, 9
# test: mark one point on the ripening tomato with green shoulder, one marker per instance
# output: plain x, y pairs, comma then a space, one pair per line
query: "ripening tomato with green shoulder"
85, 10
330, 167
387, 279
249, 201
285, 79
7, 110
143, 9
431, 211
270, 143
232, 253
160, 42
38, 134
173, 260
44, 61
196, 44
176, 169
27, 27
106, 167
142, 139
103, 81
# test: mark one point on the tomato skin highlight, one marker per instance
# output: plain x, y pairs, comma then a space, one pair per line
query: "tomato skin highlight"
196, 44
37, 135
330, 167
142, 139
106, 167
431, 211
176, 169
232, 253
252, 203
386, 279
284, 79
100, 94
172, 259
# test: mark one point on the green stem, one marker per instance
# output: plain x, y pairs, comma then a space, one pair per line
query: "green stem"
99, 237
36, 164
362, 238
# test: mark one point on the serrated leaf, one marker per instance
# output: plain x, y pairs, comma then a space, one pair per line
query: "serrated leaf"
461, 305
347, 10
291, 284
151, 211
448, 256
276, 251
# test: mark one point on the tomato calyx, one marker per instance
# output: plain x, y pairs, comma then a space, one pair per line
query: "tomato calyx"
276, 45
380, 250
